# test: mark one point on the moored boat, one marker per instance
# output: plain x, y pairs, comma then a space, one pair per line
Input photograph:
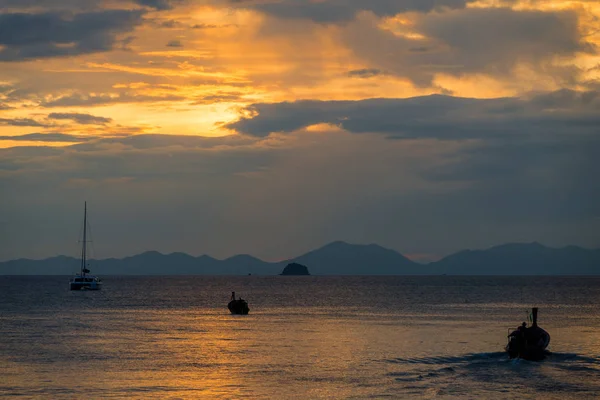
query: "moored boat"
529, 343
83, 280
238, 306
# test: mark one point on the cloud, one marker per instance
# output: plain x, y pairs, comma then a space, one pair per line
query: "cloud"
219, 97
461, 171
156, 4
92, 99
81, 118
51, 4
365, 73
513, 35
21, 122
158, 141
170, 23
344, 10
53, 34
174, 43
520, 159
523, 183
183, 158
439, 117
564, 98
206, 26
48, 137
412, 195
477, 40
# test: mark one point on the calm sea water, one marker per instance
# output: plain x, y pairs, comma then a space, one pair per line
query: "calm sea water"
305, 337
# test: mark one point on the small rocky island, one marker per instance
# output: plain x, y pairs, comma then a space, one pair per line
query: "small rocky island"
295, 269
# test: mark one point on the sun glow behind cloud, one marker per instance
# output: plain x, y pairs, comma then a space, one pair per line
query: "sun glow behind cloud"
144, 91
233, 56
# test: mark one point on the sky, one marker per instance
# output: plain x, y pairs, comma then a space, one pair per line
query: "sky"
272, 127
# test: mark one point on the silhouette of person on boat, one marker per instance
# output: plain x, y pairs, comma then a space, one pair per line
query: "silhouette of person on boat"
519, 332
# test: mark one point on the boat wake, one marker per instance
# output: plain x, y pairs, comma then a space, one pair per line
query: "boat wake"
450, 359
560, 375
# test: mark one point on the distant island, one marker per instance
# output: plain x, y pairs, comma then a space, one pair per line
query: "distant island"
295, 269
336, 258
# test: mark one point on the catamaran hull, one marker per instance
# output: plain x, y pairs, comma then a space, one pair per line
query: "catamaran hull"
84, 286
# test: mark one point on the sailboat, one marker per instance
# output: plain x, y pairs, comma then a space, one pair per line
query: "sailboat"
82, 280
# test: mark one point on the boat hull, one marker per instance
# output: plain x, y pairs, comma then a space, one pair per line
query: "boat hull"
529, 344
85, 286
238, 307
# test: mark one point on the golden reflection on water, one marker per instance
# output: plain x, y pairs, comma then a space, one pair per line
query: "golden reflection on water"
209, 354
153, 354
111, 350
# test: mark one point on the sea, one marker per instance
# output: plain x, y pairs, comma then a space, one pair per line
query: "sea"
306, 337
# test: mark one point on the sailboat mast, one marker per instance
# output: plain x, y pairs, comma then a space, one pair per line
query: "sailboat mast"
83, 255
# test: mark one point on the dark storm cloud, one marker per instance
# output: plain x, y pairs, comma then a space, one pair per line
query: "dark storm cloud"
439, 117
48, 137
344, 10
85, 119
51, 34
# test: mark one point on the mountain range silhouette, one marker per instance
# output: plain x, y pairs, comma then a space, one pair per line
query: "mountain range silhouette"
336, 258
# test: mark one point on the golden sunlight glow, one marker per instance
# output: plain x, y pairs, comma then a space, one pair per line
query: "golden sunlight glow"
191, 69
